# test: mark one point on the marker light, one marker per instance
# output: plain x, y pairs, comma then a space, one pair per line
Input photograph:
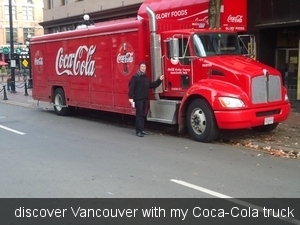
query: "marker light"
286, 97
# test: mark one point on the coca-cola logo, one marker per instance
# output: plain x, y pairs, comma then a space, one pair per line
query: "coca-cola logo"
38, 62
78, 63
125, 58
235, 19
204, 19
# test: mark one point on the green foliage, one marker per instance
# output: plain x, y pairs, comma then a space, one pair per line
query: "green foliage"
3, 69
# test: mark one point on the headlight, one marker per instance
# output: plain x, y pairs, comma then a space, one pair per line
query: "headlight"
228, 102
286, 97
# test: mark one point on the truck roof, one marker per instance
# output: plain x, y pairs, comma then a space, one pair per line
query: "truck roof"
112, 26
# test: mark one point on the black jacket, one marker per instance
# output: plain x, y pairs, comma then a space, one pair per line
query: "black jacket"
139, 85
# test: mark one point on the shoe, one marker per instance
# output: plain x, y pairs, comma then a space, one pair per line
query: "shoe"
139, 134
145, 133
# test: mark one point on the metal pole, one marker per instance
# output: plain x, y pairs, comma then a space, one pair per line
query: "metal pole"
25, 85
12, 69
4, 92
30, 84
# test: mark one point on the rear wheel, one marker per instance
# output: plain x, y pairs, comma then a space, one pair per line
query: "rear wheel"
201, 121
60, 102
265, 128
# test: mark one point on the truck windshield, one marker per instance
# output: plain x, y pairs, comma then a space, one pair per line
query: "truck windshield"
216, 44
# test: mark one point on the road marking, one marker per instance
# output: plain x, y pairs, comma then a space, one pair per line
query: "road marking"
12, 130
207, 191
231, 199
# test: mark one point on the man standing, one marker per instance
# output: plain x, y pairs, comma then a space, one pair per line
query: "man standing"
138, 96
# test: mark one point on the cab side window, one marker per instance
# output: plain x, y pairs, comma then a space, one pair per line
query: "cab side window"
184, 51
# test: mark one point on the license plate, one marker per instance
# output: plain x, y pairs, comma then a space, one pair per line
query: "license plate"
269, 120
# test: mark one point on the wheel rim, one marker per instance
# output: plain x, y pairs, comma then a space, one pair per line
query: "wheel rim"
198, 121
58, 102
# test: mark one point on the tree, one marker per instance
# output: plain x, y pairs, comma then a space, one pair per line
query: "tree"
3, 70
214, 11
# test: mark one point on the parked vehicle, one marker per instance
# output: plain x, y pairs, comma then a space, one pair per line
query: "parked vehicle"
209, 85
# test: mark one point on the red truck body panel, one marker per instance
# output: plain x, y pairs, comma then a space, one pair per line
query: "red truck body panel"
233, 13
89, 65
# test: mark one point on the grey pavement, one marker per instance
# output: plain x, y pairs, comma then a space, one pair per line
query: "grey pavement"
284, 141
19, 98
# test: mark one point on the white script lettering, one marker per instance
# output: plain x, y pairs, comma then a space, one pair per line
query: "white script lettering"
235, 19
75, 64
126, 58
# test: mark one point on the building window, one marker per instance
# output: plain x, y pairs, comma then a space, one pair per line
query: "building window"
50, 4
70, 27
6, 12
63, 28
26, 33
27, 13
54, 30
15, 34
64, 2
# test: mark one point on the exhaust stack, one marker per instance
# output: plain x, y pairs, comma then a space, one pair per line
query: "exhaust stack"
155, 50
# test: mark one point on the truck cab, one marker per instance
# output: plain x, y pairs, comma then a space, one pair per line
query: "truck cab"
186, 56
211, 85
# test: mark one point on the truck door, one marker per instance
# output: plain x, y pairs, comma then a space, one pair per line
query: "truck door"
178, 71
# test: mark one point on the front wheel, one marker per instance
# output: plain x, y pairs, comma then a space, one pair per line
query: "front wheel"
201, 121
265, 128
60, 102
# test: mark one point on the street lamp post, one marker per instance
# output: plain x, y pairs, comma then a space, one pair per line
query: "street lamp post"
30, 84
12, 61
86, 22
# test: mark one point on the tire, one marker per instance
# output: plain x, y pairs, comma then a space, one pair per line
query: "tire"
201, 121
59, 101
265, 128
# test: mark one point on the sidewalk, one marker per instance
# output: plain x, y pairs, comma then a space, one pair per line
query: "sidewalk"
284, 141
19, 98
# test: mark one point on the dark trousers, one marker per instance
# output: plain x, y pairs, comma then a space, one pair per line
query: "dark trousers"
8, 84
140, 106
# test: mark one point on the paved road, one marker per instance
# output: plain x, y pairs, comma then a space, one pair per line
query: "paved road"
44, 155
284, 141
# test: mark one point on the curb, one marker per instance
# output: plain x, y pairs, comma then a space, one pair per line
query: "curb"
269, 149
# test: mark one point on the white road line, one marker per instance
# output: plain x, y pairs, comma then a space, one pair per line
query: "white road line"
207, 191
231, 199
12, 130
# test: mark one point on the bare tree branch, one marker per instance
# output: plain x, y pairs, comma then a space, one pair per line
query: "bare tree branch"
214, 13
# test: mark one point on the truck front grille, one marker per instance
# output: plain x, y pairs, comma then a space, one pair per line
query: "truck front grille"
266, 89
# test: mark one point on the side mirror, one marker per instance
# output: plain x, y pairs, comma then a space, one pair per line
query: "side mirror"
174, 47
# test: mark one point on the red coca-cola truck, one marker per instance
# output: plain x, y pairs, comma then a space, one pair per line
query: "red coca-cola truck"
209, 85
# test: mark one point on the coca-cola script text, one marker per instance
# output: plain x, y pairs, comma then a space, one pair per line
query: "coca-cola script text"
77, 63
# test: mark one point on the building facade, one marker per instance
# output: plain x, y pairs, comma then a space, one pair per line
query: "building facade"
276, 26
26, 16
